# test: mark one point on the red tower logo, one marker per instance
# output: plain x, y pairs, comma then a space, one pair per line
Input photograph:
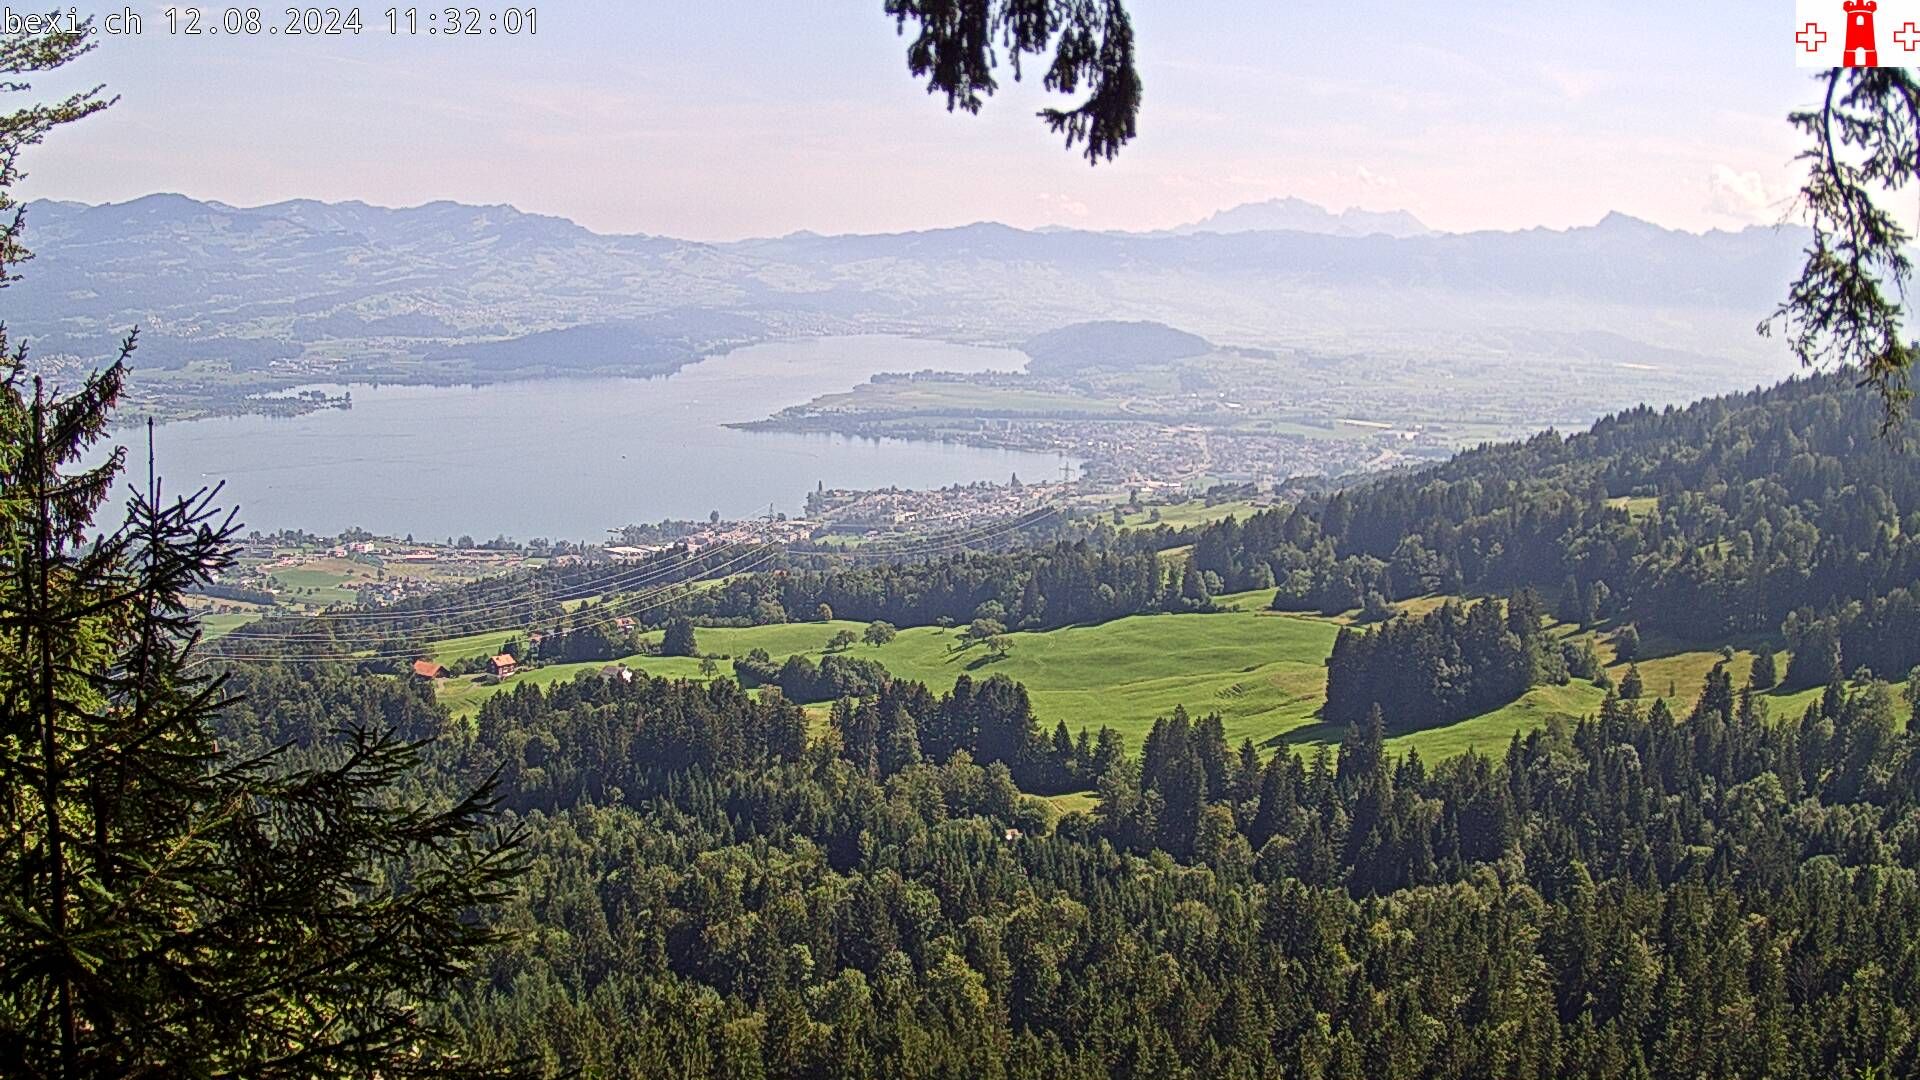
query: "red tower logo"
1860, 51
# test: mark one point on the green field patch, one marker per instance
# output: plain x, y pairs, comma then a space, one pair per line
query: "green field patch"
780, 640
1678, 676
1074, 802
1122, 674
449, 650
1424, 605
1487, 733
1636, 506
215, 627
819, 721
1264, 672
1251, 600
1187, 514
1792, 706
463, 696
323, 581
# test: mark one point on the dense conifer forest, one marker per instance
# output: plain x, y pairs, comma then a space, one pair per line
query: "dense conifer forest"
1447, 666
719, 886
1722, 894
714, 883
296, 854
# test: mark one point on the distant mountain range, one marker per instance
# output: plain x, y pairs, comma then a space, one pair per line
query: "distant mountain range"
1298, 215
480, 291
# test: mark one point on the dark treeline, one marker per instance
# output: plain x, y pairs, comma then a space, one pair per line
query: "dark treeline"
586, 634
991, 721
597, 739
1626, 793
1453, 663
1068, 582
1632, 896
1881, 635
800, 679
221, 591
1769, 504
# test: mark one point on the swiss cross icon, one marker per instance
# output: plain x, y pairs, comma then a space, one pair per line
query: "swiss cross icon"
1812, 37
1908, 36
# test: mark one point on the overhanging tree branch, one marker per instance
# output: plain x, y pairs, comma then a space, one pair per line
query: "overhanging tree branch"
958, 47
1847, 306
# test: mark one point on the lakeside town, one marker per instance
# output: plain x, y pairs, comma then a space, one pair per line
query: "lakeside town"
294, 571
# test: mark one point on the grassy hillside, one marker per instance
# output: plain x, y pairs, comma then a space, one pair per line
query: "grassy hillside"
461, 648
1262, 671
217, 626
325, 581
1184, 514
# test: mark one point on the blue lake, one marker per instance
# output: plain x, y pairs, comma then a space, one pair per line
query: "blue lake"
573, 458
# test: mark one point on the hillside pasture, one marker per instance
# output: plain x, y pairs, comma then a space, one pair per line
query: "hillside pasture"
1264, 672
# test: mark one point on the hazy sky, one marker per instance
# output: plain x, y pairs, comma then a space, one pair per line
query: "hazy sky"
760, 117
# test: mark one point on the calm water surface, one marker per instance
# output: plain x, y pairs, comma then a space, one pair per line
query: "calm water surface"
572, 458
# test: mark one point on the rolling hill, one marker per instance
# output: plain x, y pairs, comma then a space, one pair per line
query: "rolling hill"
347, 288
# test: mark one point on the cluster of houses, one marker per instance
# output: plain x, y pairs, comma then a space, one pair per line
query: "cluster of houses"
502, 666
894, 510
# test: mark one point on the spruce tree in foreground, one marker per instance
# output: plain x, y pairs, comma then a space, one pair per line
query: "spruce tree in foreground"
168, 909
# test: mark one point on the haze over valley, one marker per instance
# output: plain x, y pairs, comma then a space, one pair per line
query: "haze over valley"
968, 540
1327, 343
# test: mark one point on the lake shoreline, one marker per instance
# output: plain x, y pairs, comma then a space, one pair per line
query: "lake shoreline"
155, 390
577, 458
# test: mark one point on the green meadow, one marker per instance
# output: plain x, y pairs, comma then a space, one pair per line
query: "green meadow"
461, 648
1262, 671
1637, 506
323, 581
217, 626
1187, 514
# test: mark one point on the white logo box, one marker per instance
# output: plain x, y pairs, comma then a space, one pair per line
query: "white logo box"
1881, 33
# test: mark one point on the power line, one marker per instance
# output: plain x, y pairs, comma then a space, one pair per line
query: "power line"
582, 591
766, 553
621, 581
624, 579
397, 635
626, 608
